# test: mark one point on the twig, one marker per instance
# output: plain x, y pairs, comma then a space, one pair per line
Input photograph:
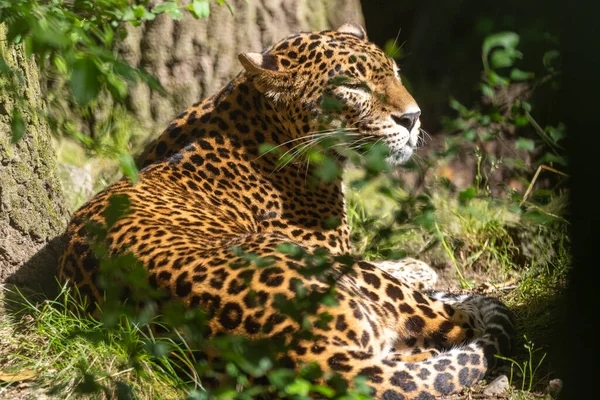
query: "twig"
537, 172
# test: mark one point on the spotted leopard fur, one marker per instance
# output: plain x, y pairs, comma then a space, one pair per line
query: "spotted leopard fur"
206, 189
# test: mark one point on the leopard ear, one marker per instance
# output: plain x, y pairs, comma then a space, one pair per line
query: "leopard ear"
257, 63
269, 76
354, 29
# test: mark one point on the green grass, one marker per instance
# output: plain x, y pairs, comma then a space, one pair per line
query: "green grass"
483, 234
72, 357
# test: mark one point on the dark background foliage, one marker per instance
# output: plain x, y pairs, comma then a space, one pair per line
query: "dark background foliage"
443, 37
578, 105
441, 40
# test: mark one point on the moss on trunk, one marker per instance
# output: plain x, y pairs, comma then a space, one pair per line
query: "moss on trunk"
32, 211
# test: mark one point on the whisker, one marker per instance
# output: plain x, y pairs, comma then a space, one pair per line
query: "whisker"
420, 162
360, 142
313, 134
396, 41
352, 145
295, 153
310, 140
422, 138
302, 147
316, 134
372, 147
424, 132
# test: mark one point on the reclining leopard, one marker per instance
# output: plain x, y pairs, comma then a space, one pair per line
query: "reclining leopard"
205, 189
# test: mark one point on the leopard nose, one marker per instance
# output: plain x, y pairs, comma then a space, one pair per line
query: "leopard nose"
407, 120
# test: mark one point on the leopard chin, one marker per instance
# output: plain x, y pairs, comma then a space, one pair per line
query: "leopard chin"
400, 157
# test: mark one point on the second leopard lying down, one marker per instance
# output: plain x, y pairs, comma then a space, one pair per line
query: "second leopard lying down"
206, 189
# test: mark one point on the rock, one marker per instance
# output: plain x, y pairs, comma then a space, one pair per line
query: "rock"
497, 386
554, 387
78, 183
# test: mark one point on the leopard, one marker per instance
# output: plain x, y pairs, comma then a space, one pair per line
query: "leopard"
208, 195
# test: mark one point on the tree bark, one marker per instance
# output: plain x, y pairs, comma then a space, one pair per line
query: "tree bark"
32, 210
192, 58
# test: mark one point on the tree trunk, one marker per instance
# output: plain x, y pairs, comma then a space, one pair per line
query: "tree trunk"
192, 58
32, 211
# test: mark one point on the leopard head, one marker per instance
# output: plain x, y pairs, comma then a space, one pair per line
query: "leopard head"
303, 73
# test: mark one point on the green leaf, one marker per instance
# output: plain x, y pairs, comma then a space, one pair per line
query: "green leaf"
85, 83
550, 58
139, 11
116, 86
345, 259
543, 193
525, 144
118, 206
198, 395
332, 222
557, 133
392, 49
125, 71
4, 68
552, 158
311, 371
502, 59
223, 2
200, 8
536, 217
484, 120
281, 377
525, 105
375, 158
521, 120
329, 170
17, 125
262, 262
331, 104
292, 249
466, 195
330, 301
519, 75
486, 90
60, 64
426, 219
128, 167
158, 349
324, 390
496, 116
456, 105
299, 387
171, 9
496, 79
265, 148
507, 40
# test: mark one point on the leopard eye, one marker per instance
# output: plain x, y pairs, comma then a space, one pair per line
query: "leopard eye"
358, 86
350, 83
